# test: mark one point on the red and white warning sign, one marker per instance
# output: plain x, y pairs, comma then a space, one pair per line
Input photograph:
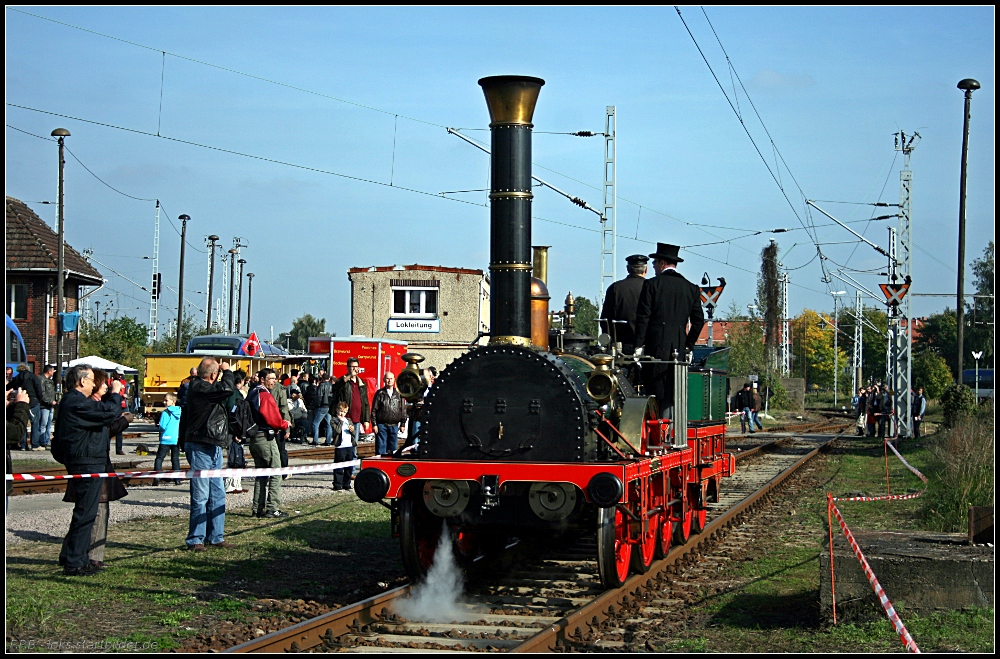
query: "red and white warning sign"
711, 294
894, 293
251, 347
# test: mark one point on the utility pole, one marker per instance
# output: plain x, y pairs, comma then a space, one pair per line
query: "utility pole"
154, 290
900, 316
211, 281
836, 348
239, 295
60, 134
180, 281
856, 362
250, 277
609, 235
786, 338
232, 287
968, 85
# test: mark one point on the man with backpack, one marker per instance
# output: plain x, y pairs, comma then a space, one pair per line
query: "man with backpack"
264, 445
205, 432
324, 396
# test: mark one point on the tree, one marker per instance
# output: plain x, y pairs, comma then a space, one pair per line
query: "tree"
586, 317
939, 335
167, 343
302, 328
768, 299
873, 341
931, 372
812, 340
121, 340
745, 339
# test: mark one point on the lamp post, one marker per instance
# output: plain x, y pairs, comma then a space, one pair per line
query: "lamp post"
211, 282
180, 281
250, 277
239, 295
60, 134
968, 85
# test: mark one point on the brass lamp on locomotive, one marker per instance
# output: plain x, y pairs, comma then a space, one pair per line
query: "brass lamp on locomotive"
518, 438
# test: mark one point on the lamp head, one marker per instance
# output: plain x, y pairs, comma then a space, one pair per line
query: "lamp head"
213, 238
967, 84
62, 132
184, 217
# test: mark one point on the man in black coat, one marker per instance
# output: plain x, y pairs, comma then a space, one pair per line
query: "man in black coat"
81, 443
620, 302
666, 305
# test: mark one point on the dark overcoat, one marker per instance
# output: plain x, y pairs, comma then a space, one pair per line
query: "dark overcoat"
666, 305
620, 303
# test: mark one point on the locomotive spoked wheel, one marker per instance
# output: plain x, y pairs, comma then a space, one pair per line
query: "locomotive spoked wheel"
613, 550
682, 528
644, 553
419, 533
698, 518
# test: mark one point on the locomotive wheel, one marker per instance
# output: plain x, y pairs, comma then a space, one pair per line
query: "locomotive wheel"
664, 536
613, 550
682, 529
645, 551
698, 518
419, 532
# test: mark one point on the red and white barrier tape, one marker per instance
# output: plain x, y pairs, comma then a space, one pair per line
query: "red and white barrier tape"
908, 465
193, 473
890, 611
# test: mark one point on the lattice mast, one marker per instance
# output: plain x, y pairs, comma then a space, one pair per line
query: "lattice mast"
609, 227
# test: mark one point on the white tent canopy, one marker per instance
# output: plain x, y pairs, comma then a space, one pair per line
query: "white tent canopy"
100, 362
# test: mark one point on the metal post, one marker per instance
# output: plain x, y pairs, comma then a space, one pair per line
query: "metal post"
856, 380
60, 134
680, 369
180, 281
154, 290
609, 234
786, 338
968, 85
250, 277
239, 295
836, 352
232, 287
211, 283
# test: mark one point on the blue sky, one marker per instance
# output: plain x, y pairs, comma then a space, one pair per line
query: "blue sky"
832, 85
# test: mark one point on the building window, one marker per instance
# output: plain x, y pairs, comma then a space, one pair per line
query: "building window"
18, 300
415, 302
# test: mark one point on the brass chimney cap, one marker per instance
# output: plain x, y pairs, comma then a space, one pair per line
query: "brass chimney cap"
511, 99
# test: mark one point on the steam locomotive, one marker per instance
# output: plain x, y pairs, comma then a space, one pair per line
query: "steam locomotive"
532, 433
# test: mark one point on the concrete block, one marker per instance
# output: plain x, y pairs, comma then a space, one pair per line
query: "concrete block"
920, 571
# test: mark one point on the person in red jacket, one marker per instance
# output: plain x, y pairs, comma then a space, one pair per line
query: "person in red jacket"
264, 445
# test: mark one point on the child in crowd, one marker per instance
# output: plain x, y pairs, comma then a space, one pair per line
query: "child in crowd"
170, 421
343, 440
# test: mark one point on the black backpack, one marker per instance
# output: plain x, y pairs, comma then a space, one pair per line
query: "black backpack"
241, 422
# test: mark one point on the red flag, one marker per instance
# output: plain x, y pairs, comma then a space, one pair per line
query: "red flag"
250, 347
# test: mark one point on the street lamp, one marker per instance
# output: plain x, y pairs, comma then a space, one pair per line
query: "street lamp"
232, 287
180, 281
239, 294
968, 85
250, 277
211, 282
978, 356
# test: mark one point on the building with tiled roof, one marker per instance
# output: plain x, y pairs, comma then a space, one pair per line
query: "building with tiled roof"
32, 250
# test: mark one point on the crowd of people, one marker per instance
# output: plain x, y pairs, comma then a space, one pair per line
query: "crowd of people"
875, 408
748, 402
215, 410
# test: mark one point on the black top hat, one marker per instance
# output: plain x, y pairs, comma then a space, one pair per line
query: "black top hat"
637, 258
667, 253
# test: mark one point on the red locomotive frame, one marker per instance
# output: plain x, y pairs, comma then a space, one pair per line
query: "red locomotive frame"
665, 489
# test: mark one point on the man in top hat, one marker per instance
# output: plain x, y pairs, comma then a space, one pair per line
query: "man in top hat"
620, 303
666, 304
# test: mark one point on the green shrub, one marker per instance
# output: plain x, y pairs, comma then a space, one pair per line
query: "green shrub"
931, 372
962, 473
957, 401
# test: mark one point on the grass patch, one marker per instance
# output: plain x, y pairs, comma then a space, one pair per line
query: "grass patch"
154, 592
775, 607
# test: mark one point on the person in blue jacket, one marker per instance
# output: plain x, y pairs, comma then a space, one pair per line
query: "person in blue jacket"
170, 423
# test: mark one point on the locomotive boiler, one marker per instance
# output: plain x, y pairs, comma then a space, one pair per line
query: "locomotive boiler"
519, 437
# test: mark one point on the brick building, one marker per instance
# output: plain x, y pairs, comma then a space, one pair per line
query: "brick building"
438, 311
32, 264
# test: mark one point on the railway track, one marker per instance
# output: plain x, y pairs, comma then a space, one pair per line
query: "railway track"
48, 487
544, 603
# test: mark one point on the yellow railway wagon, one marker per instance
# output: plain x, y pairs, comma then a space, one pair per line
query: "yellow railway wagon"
165, 372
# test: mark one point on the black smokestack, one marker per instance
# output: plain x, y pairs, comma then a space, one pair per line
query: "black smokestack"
511, 101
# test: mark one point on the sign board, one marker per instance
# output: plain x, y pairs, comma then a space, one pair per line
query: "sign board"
753, 378
894, 293
423, 325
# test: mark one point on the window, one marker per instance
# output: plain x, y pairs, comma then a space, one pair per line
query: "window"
18, 301
421, 302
